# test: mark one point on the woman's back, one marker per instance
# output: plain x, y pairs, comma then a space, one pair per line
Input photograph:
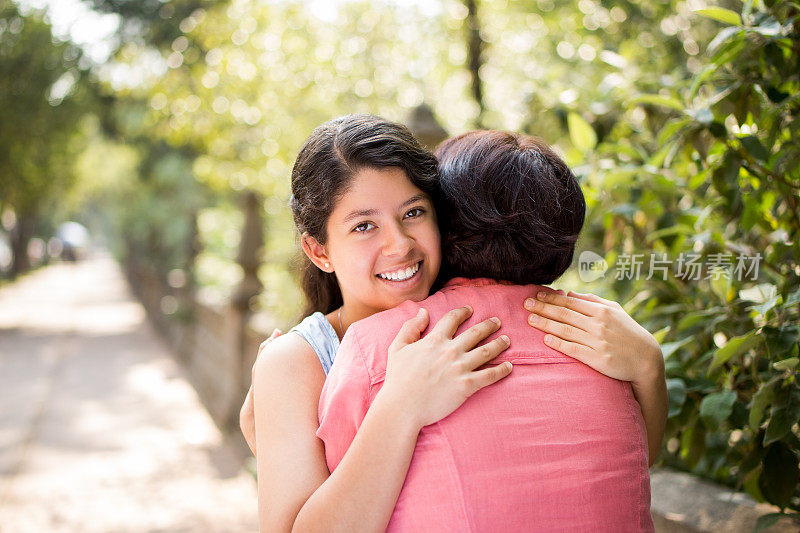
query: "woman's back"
555, 446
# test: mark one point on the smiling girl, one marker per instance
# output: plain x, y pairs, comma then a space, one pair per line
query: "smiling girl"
364, 200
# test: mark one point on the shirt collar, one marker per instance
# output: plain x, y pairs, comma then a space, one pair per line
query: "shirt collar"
473, 282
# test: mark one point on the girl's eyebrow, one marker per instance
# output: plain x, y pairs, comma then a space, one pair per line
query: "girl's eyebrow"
371, 212
359, 214
414, 199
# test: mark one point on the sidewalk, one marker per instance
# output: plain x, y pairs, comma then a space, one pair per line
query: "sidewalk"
100, 430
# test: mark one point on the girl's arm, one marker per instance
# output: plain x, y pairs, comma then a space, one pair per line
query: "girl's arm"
425, 381
599, 333
247, 419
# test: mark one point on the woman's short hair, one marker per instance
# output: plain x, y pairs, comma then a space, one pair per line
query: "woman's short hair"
512, 208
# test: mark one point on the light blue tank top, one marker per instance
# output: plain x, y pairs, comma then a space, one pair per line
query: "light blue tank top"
319, 333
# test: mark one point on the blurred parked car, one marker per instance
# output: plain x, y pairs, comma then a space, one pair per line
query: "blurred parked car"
74, 239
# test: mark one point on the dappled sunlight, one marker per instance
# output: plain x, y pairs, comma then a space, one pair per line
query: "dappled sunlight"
83, 299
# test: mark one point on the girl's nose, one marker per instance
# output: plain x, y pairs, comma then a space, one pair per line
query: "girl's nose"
398, 242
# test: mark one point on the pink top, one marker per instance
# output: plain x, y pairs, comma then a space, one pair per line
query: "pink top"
555, 446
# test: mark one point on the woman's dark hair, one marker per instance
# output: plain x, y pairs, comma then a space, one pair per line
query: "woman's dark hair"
322, 173
512, 208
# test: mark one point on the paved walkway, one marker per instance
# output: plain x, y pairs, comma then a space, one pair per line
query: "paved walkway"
99, 429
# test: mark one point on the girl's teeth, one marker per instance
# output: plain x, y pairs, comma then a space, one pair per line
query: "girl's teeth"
401, 275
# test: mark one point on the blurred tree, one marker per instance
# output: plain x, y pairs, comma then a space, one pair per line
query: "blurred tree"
475, 47
154, 214
43, 97
155, 22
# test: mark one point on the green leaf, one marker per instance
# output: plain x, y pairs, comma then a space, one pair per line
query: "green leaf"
780, 423
721, 287
766, 520
721, 37
581, 133
761, 399
786, 364
754, 147
750, 484
769, 28
776, 95
780, 340
672, 129
759, 293
695, 317
721, 14
716, 407
780, 475
750, 216
700, 77
658, 100
676, 391
661, 334
693, 443
669, 348
678, 229
735, 346
728, 52
793, 298
766, 306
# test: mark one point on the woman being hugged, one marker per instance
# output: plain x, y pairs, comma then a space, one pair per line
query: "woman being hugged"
364, 199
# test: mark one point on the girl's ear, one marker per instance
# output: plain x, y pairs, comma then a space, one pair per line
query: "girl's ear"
316, 252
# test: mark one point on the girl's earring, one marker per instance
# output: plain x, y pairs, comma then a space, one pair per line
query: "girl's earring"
327, 265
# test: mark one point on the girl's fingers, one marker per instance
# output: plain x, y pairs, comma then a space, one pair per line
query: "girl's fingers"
582, 353
589, 297
562, 314
472, 336
576, 304
448, 324
564, 331
275, 333
487, 376
411, 329
483, 354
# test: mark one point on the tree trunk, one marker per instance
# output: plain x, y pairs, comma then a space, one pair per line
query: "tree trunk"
20, 236
475, 57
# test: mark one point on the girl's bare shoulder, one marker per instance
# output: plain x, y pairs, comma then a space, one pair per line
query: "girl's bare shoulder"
289, 359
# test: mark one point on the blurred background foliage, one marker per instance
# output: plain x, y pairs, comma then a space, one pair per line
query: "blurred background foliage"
680, 117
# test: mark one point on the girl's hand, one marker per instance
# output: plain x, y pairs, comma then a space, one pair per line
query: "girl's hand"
599, 333
432, 377
247, 419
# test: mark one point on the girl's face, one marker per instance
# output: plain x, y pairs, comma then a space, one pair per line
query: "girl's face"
383, 242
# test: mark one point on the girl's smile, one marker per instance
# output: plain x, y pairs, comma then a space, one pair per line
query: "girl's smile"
401, 274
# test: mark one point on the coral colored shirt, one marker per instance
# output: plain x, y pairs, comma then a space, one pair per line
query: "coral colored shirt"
555, 446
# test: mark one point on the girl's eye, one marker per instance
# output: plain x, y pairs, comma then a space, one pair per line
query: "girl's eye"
364, 226
416, 212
